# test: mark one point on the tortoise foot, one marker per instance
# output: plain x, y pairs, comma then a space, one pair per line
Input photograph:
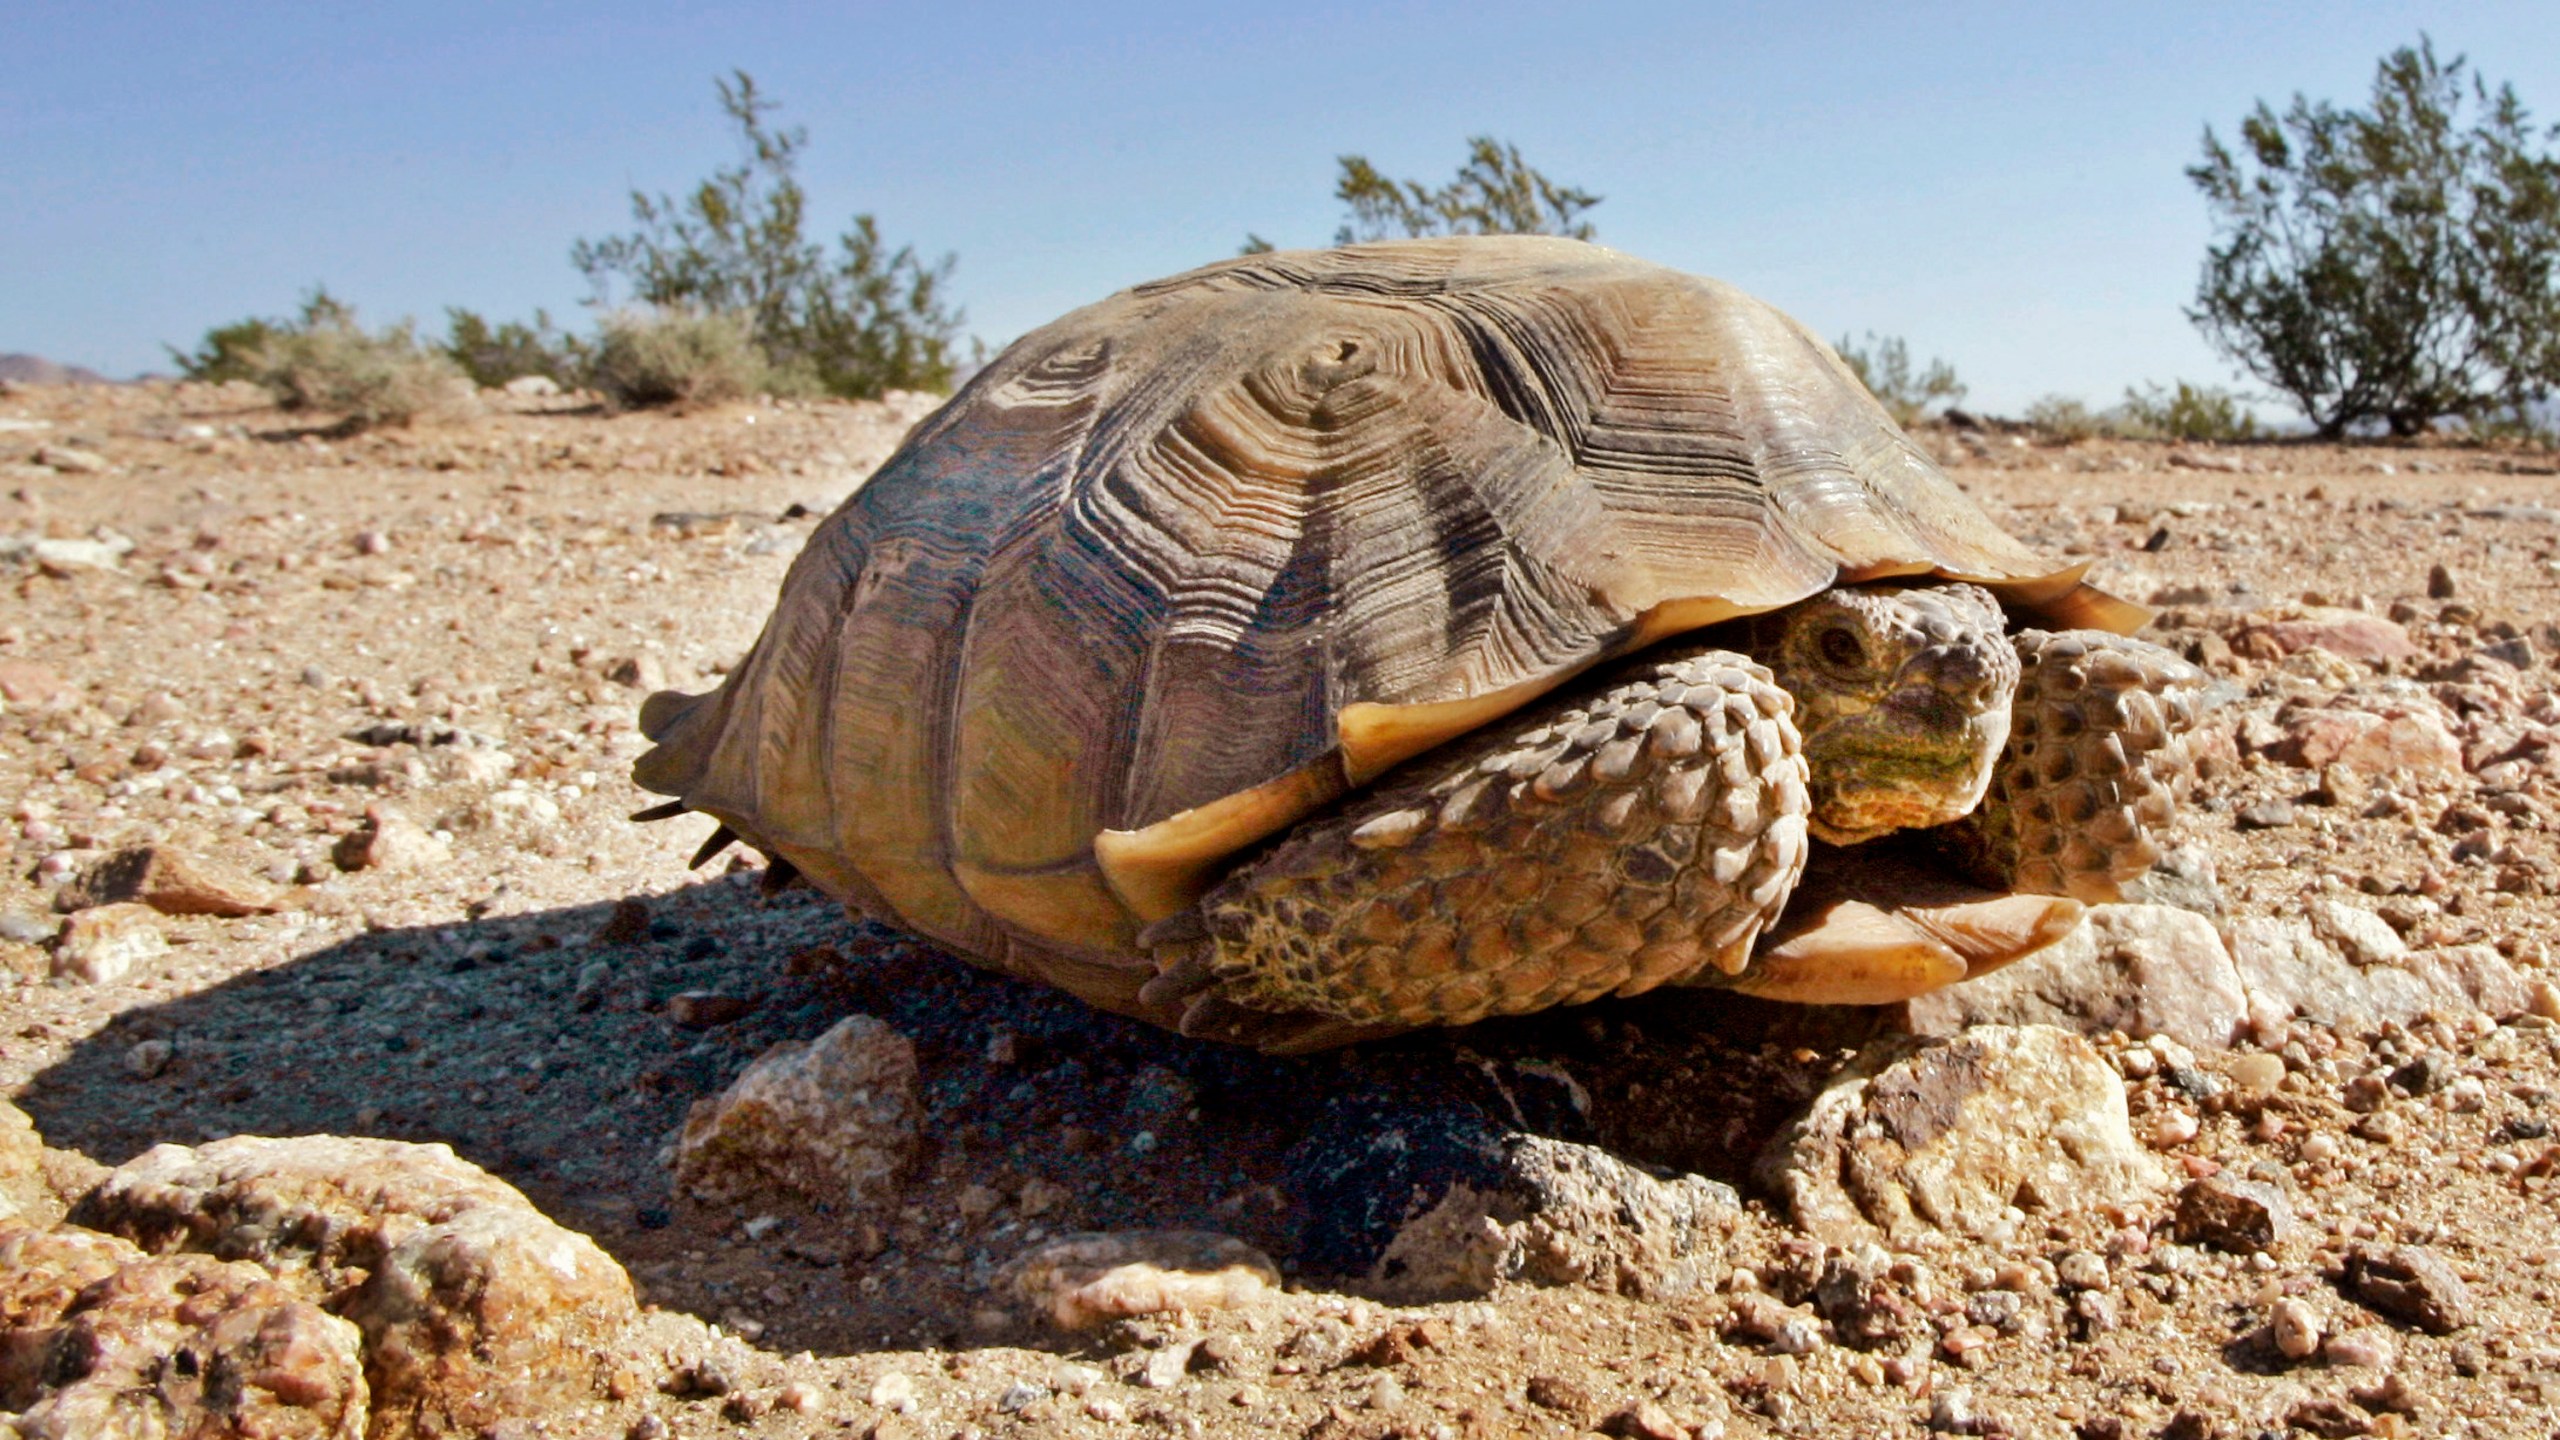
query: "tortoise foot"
1625, 837
2096, 767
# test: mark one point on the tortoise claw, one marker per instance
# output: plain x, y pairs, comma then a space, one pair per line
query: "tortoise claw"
1187, 975
721, 839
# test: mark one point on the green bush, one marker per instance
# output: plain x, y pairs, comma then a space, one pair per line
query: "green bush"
2064, 419
2189, 412
227, 352
493, 355
864, 320
2397, 263
322, 360
1884, 367
1495, 193
677, 357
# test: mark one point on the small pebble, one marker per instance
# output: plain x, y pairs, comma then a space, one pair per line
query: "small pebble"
2172, 1128
148, 1058
1386, 1393
2258, 1071
2296, 1327
1075, 1379
2370, 1348
2082, 1270
1106, 1410
894, 1391
797, 1398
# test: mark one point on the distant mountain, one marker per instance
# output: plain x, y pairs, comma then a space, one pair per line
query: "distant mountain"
37, 370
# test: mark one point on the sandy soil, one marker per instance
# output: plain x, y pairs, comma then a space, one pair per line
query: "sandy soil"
457, 622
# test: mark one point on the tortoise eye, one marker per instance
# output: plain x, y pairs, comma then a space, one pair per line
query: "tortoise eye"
1841, 648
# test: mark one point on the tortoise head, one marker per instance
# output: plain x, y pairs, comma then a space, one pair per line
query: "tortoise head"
1902, 696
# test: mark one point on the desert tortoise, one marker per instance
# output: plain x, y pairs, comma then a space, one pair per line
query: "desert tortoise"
1322, 644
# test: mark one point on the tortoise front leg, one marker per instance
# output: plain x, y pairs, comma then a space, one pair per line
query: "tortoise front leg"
2096, 766
1631, 837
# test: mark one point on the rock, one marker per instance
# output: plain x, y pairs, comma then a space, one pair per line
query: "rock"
2348, 634
2143, 969
532, 387
1550, 1212
1857, 1294
63, 559
2188, 458
2288, 970
496, 1313
1645, 1420
2408, 1283
24, 682
643, 672
1166, 1366
702, 1009
2328, 1417
2244, 1217
474, 1306
102, 945
2474, 977
25, 1197
2360, 935
1783, 1328
832, 1118
2295, 1329
2266, 815
1079, 1282
2184, 878
2368, 1348
1916, 1136
2341, 787
168, 880
2395, 742
258, 1360
389, 840
476, 765
70, 460
327, 1204
2440, 582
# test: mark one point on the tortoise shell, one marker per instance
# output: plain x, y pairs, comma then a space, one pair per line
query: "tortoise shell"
1186, 565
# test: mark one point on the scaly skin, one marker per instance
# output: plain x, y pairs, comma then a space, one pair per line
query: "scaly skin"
2096, 766
1640, 833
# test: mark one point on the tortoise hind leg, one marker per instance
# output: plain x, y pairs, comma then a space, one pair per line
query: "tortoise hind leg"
2096, 767
1623, 838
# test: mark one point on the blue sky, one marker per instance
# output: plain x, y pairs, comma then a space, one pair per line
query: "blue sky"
2000, 184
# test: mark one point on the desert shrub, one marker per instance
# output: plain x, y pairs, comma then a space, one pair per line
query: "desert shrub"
492, 355
1495, 193
2396, 263
858, 321
676, 357
227, 352
323, 360
1884, 367
2064, 419
2187, 412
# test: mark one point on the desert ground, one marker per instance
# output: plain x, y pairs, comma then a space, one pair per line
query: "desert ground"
2268, 1150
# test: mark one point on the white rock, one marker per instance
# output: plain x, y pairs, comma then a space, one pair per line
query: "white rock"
2359, 934
1916, 1136
832, 1118
1080, 1281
